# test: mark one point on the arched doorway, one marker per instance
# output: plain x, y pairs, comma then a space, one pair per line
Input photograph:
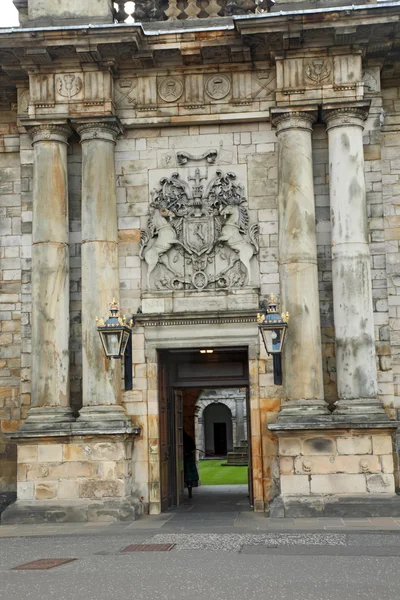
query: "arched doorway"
218, 431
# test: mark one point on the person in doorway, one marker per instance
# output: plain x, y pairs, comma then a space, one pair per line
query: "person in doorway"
189, 463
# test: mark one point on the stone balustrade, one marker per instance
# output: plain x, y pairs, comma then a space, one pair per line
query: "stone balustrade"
177, 10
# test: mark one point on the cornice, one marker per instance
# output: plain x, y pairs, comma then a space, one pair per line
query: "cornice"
263, 35
201, 318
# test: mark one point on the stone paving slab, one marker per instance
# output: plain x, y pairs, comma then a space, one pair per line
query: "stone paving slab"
221, 522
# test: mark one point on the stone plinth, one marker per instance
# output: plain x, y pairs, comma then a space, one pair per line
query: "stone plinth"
334, 471
46, 12
74, 478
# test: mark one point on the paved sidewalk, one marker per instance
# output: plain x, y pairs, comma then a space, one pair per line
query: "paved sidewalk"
214, 509
220, 551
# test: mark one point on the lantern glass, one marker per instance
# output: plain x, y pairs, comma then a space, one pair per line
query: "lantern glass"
273, 338
125, 340
111, 342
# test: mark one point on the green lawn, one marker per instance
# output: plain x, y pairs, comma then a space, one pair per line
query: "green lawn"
211, 473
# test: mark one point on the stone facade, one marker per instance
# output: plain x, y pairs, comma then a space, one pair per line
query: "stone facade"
188, 164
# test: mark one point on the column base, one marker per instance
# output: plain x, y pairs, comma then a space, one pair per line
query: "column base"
24, 512
304, 411
74, 478
325, 466
360, 410
103, 417
47, 418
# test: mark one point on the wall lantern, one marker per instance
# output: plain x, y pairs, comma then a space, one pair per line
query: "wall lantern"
273, 327
116, 338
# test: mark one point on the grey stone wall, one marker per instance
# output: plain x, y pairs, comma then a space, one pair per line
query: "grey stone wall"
12, 257
138, 154
391, 223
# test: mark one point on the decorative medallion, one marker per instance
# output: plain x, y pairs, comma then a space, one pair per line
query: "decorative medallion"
218, 86
23, 101
198, 234
69, 85
124, 89
170, 89
318, 70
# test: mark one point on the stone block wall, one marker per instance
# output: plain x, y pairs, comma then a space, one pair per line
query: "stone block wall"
391, 232
339, 463
79, 469
139, 153
11, 263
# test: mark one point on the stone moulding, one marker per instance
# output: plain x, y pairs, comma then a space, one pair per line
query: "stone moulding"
183, 319
70, 430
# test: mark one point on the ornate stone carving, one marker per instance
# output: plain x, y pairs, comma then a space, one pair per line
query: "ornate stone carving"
218, 86
23, 101
318, 70
346, 115
123, 92
107, 130
184, 157
170, 89
69, 85
293, 119
50, 132
198, 234
371, 79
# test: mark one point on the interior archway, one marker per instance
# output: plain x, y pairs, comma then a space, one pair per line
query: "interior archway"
218, 431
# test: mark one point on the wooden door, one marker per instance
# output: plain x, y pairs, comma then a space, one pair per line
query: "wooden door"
180, 476
250, 467
164, 437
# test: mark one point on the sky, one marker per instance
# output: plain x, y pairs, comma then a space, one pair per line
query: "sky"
8, 14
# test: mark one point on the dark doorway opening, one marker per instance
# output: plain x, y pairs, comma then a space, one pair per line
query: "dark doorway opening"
220, 439
183, 376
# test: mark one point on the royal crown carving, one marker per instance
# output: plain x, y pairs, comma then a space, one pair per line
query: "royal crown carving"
198, 235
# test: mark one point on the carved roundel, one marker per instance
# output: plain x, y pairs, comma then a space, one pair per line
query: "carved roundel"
218, 86
170, 89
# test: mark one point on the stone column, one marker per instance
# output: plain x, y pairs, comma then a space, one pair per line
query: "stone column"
50, 280
240, 434
100, 277
302, 357
351, 271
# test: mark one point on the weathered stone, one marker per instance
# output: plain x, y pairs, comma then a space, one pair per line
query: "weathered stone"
100, 279
298, 261
354, 445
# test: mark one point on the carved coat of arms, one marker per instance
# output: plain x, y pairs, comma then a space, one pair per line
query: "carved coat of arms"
198, 233
318, 70
69, 85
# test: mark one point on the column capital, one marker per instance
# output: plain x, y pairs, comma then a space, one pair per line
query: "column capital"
345, 114
48, 132
106, 129
293, 118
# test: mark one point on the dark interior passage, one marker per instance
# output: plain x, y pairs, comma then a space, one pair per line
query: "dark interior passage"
184, 377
